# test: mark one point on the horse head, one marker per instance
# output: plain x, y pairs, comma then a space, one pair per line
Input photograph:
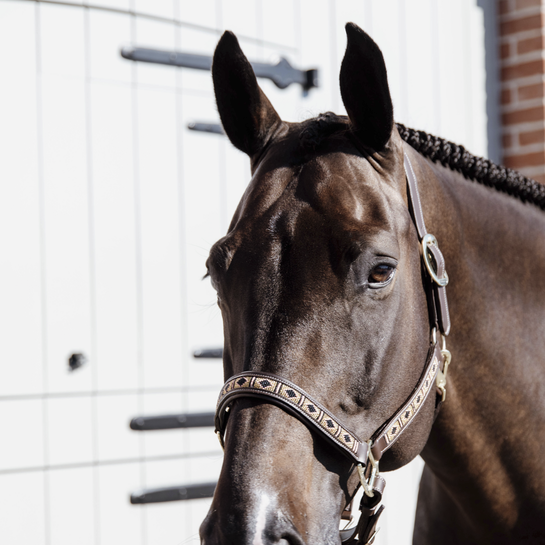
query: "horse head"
319, 281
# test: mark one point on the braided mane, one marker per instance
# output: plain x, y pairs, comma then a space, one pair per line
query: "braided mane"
439, 150
474, 168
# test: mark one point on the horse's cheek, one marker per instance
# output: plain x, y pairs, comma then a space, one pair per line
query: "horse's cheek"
411, 443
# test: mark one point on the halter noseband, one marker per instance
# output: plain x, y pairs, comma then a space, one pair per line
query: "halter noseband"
366, 454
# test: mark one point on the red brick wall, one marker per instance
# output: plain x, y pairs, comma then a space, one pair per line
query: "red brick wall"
522, 64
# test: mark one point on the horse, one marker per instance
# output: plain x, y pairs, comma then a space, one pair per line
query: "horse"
331, 293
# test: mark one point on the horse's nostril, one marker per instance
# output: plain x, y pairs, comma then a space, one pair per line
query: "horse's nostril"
289, 540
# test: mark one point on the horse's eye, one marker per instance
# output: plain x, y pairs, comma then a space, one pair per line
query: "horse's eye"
381, 275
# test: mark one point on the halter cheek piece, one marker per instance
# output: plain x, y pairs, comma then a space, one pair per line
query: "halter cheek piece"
365, 454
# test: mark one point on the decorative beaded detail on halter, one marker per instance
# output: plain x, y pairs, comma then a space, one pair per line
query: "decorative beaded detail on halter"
291, 396
296, 400
405, 416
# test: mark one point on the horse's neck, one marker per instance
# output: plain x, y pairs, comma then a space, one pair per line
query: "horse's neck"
486, 444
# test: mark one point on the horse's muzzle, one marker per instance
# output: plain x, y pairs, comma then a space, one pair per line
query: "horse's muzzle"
275, 488
267, 528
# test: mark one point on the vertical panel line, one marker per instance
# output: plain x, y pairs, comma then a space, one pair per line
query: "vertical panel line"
219, 15
138, 267
467, 42
403, 78
436, 65
222, 178
298, 30
182, 233
368, 16
94, 357
333, 55
43, 275
259, 27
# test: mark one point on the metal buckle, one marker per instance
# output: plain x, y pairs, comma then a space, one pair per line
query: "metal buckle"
428, 240
368, 484
441, 380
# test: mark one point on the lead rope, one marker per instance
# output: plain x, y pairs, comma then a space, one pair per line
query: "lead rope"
365, 483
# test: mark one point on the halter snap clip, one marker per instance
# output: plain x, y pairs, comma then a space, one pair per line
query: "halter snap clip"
369, 484
441, 380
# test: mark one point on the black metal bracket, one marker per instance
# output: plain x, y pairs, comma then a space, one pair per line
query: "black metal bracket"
214, 128
208, 353
282, 74
174, 493
172, 421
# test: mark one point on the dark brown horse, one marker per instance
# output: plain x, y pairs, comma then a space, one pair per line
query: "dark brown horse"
320, 282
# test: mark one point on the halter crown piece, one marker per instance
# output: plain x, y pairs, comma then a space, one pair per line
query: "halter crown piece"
365, 454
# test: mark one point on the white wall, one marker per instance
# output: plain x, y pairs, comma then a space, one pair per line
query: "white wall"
108, 206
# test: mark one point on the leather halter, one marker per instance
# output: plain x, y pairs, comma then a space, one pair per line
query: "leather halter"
366, 454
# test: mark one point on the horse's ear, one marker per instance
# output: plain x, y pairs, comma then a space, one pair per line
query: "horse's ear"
246, 114
364, 89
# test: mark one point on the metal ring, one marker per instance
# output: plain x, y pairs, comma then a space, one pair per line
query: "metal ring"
427, 240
